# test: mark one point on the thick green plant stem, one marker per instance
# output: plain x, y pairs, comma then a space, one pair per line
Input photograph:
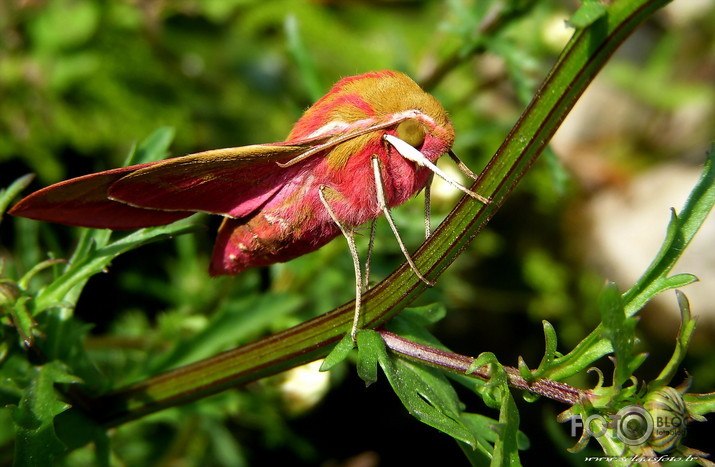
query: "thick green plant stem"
587, 52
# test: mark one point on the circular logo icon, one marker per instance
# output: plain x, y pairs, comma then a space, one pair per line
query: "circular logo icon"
634, 425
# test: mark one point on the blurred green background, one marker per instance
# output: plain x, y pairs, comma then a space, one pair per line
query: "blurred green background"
82, 81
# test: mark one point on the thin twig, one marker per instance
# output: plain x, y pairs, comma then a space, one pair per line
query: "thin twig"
457, 363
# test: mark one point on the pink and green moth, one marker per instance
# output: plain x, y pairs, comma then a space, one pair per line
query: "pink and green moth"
366, 146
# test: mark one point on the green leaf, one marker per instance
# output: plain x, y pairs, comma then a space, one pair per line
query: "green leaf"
524, 370
672, 282
550, 345
618, 329
412, 321
685, 333
425, 315
339, 353
506, 448
680, 232
75, 429
64, 25
700, 404
491, 391
301, 55
21, 319
155, 147
7, 195
428, 396
370, 348
36, 443
232, 323
94, 254
587, 13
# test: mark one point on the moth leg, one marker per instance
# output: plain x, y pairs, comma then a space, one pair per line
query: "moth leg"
382, 204
349, 235
370, 244
428, 206
410, 153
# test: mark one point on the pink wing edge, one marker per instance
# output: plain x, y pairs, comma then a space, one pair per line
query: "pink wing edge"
85, 202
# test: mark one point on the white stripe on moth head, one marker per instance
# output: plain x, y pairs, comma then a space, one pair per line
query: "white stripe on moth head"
336, 126
351, 130
412, 154
330, 127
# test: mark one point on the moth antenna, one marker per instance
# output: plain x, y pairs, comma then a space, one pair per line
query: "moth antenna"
382, 204
462, 166
410, 153
350, 237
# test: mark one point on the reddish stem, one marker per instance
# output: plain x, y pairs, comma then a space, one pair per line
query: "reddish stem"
457, 363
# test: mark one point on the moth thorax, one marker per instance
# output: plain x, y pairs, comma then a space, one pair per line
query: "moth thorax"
412, 132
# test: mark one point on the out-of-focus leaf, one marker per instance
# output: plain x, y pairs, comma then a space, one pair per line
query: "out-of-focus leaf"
7, 195
36, 443
589, 12
155, 147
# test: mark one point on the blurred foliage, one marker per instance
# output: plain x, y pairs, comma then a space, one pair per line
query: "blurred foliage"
81, 80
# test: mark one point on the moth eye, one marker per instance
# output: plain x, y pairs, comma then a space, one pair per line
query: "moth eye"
412, 132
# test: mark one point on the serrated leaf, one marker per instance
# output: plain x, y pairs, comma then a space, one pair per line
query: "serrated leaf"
370, 348
339, 353
681, 230
36, 443
618, 329
428, 396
